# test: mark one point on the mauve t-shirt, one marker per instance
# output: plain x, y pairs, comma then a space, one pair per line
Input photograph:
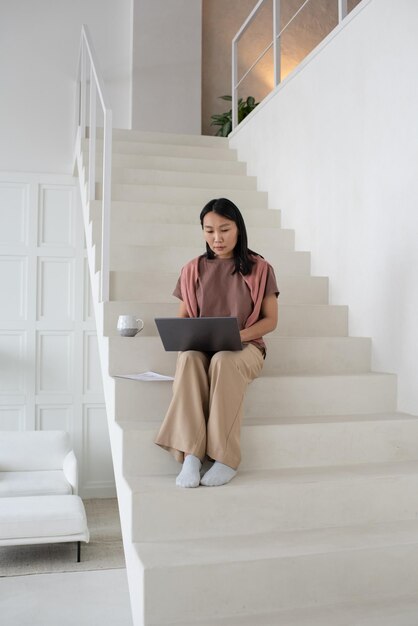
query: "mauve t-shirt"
220, 293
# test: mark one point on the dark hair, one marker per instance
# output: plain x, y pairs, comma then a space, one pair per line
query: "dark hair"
226, 208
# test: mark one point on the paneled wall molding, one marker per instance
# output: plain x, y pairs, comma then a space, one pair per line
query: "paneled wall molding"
49, 365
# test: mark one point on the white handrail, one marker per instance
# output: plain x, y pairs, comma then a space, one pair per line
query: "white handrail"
88, 66
277, 32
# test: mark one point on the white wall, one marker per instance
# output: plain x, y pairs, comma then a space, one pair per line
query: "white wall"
49, 364
167, 57
39, 44
336, 147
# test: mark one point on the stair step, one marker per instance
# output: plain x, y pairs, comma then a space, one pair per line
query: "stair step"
278, 396
152, 234
122, 134
129, 257
286, 355
175, 163
295, 320
182, 179
158, 287
274, 500
278, 571
221, 153
284, 442
187, 195
323, 447
389, 611
153, 212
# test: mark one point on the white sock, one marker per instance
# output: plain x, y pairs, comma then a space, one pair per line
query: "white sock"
219, 474
190, 473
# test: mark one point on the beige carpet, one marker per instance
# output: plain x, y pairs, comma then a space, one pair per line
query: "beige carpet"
104, 551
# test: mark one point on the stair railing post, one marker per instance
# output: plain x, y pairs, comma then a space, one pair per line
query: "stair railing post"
78, 92
83, 89
234, 83
342, 10
276, 42
92, 139
97, 91
106, 202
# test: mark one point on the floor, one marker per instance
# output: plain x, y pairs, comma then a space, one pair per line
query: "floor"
98, 598
104, 551
85, 598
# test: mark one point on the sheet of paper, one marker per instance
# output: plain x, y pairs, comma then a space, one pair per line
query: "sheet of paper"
149, 377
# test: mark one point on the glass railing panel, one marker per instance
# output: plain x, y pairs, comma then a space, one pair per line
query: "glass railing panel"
257, 37
260, 81
314, 22
351, 4
301, 26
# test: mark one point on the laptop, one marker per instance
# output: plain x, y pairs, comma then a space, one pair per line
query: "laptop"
206, 334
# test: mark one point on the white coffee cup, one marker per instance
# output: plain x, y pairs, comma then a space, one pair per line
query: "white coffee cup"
129, 325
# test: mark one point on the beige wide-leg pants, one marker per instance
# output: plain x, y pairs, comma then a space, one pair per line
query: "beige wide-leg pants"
205, 413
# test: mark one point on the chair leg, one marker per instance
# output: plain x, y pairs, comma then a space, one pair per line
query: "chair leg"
78, 551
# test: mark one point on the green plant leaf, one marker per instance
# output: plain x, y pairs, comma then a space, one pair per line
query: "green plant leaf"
226, 128
224, 120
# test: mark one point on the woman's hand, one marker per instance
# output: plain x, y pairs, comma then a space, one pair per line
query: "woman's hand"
267, 323
182, 310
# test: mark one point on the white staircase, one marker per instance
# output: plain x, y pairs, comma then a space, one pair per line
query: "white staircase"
320, 525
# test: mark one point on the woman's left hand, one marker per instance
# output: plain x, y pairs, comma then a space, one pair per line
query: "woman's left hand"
267, 323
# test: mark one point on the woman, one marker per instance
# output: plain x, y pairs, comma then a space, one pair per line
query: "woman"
204, 416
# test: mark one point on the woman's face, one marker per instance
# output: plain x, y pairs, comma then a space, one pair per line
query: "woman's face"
221, 234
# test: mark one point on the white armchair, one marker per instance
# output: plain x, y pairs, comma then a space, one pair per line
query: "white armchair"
38, 490
37, 463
